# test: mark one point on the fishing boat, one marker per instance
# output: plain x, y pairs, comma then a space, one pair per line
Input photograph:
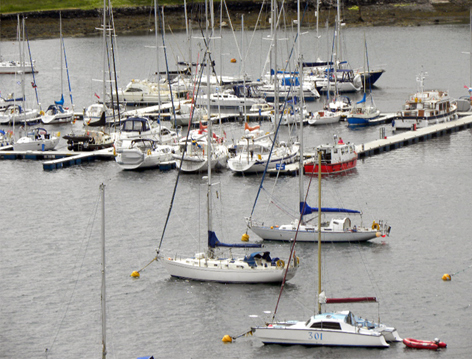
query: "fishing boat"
141, 153
339, 328
425, 108
256, 267
336, 158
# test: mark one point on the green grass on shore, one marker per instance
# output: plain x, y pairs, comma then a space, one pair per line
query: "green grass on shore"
18, 6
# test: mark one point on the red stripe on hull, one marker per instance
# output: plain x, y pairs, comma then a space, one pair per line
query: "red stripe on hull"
312, 169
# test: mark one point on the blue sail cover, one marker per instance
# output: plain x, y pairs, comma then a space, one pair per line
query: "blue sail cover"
363, 99
290, 81
214, 242
310, 210
61, 101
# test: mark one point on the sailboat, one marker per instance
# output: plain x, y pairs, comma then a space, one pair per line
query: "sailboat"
340, 328
99, 114
256, 267
335, 230
35, 138
364, 113
57, 113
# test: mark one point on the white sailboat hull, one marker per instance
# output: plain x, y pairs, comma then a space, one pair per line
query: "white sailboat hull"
319, 337
277, 234
29, 144
225, 271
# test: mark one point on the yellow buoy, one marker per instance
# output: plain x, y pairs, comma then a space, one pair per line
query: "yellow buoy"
135, 274
227, 339
245, 237
446, 277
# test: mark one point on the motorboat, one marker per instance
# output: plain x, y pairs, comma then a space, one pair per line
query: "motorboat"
143, 127
336, 158
141, 153
425, 108
89, 139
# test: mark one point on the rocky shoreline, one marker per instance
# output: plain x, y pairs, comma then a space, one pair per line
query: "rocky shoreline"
140, 20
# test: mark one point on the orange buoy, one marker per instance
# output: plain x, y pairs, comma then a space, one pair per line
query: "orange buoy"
233, 60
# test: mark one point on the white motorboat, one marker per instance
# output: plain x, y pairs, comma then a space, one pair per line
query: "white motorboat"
141, 153
425, 108
324, 117
143, 92
143, 127
255, 151
37, 139
227, 101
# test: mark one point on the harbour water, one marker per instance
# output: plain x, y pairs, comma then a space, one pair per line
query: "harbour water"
50, 236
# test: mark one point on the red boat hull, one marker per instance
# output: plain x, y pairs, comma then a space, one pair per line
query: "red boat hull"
423, 344
330, 168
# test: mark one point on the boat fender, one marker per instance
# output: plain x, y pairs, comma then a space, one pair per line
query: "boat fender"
245, 237
280, 263
149, 152
375, 225
297, 260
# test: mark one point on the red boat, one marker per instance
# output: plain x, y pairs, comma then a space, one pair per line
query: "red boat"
424, 344
336, 158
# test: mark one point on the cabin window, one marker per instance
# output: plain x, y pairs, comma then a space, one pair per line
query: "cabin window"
327, 325
133, 90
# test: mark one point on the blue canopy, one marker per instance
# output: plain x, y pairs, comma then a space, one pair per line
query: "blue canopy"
290, 81
61, 101
214, 242
151, 357
310, 210
363, 99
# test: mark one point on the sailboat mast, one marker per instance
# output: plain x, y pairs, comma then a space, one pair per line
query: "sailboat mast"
103, 296
300, 103
104, 40
60, 50
209, 207
319, 230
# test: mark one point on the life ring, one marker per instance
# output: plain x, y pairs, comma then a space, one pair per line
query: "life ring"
375, 226
280, 263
